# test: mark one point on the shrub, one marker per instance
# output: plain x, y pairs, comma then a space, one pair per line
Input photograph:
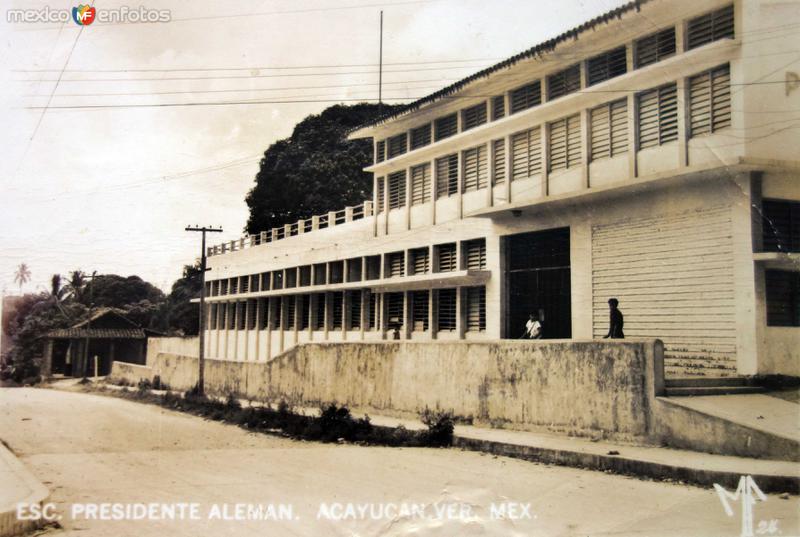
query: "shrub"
440, 427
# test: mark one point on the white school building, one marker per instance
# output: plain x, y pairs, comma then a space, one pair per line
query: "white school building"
650, 155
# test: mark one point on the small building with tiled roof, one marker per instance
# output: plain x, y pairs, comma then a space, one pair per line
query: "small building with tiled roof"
106, 334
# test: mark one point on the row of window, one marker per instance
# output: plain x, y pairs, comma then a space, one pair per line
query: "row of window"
343, 310
657, 112
646, 51
395, 264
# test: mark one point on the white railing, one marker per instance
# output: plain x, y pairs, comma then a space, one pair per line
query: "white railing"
309, 225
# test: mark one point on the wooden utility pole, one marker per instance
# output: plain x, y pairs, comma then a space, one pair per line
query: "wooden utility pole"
380, 66
202, 328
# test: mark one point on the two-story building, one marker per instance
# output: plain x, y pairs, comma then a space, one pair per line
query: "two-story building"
650, 155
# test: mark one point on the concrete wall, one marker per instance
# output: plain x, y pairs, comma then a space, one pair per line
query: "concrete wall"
581, 387
187, 346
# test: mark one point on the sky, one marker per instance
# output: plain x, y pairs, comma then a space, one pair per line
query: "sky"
117, 136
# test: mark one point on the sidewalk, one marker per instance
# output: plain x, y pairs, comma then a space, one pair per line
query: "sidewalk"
18, 485
661, 463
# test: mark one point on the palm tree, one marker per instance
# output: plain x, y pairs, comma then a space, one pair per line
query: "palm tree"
77, 281
22, 275
57, 290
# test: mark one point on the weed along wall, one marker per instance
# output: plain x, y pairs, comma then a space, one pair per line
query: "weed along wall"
574, 386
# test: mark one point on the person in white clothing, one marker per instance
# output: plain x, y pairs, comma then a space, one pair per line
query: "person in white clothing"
533, 328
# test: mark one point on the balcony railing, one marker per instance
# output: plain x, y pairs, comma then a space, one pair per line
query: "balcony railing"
309, 225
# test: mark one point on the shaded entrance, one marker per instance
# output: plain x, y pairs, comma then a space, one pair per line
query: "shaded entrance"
538, 280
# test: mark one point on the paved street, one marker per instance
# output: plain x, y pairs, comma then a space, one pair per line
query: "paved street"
93, 449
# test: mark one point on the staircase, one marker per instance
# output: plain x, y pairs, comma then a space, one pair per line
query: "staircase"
696, 386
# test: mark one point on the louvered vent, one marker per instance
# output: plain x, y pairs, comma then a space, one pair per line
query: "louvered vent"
525, 97
564, 82
658, 116
394, 309
380, 151
476, 309
419, 311
381, 194
398, 145
303, 312
609, 135
475, 254
447, 309
475, 169
498, 107
319, 312
526, 154
606, 66
710, 101
499, 161
447, 176
473, 116
447, 258
445, 127
420, 260
397, 189
337, 310
421, 136
565, 143
420, 184
710, 27
654, 47
394, 264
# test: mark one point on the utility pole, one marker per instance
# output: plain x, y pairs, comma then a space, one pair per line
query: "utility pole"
202, 328
380, 67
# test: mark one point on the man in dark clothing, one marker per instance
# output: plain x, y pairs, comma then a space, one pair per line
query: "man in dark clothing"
616, 321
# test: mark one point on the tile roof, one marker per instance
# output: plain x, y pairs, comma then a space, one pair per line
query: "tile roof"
97, 333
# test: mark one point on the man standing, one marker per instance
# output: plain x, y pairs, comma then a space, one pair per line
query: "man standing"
616, 321
533, 328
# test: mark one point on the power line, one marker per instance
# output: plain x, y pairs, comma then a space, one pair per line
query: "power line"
302, 101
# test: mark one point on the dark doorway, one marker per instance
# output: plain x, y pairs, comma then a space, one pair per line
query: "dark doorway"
538, 276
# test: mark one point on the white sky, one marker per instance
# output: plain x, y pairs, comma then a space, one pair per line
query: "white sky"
112, 189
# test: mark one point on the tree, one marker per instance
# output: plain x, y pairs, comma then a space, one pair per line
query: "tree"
315, 170
184, 315
22, 275
76, 284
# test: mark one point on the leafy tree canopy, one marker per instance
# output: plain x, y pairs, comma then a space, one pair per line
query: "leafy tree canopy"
315, 170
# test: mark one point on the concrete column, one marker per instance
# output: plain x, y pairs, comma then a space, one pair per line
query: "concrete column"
385, 180
406, 333
282, 326
432, 317
259, 322
545, 156
460, 189
633, 136
508, 166
460, 313
490, 171
268, 309
683, 124
364, 311
407, 207
345, 313
433, 191
585, 142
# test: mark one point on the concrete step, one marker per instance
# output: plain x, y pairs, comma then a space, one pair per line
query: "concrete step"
706, 382
712, 390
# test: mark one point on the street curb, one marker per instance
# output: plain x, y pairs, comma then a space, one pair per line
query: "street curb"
37, 494
618, 464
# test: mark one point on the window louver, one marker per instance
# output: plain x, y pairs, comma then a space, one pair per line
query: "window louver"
658, 116
420, 260
606, 66
476, 309
397, 189
395, 262
654, 47
230, 315
380, 151
381, 194
609, 123
498, 107
499, 161
419, 311
473, 116
447, 258
234, 286
525, 97
223, 287
445, 127
337, 310
372, 312
394, 310
290, 312
398, 145
420, 184
564, 82
710, 27
240, 315
475, 170
354, 305
255, 282
303, 313
565, 143
475, 254
319, 311
263, 308
447, 176
212, 320
251, 314
446, 309
710, 101
421, 136
526, 154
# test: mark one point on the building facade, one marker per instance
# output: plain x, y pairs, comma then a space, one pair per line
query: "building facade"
648, 155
